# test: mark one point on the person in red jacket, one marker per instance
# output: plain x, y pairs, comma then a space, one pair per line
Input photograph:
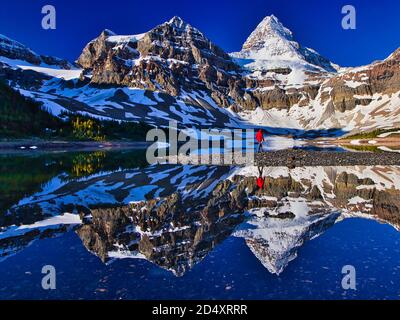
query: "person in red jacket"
260, 182
260, 179
260, 139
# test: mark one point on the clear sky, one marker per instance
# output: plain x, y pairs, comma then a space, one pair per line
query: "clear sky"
316, 24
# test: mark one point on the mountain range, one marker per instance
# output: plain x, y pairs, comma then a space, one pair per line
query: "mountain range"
174, 72
174, 215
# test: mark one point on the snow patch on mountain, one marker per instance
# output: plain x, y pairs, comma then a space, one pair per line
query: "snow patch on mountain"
46, 69
124, 39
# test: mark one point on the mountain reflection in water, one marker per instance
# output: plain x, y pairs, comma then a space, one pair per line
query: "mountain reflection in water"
174, 216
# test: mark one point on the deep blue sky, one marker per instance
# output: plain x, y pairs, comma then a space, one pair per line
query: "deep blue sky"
316, 24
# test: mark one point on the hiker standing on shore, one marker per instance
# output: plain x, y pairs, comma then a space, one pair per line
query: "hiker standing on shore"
260, 139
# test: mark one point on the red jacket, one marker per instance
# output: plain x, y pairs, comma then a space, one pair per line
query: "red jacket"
260, 136
260, 182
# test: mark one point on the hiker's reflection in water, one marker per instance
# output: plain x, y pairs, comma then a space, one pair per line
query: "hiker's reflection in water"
260, 179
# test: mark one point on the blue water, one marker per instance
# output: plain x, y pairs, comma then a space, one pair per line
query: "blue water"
230, 271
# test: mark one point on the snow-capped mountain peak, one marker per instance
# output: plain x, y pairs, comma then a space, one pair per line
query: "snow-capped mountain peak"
268, 31
272, 41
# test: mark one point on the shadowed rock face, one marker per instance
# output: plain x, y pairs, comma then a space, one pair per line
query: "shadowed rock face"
181, 213
381, 78
14, 50
173, 242
173, 232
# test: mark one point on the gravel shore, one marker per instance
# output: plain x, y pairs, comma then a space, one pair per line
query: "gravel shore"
301, 158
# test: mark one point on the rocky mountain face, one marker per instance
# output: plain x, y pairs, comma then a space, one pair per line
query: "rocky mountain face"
173, 57
174, 216
173, 72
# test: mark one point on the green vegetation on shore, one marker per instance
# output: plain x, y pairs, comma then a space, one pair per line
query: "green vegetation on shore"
366, 148
23, 175
23, 118
371, 134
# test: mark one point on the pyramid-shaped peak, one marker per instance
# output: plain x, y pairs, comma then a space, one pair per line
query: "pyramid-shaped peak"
270, 27
271, 40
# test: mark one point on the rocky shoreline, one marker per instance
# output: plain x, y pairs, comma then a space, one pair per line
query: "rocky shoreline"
301, 158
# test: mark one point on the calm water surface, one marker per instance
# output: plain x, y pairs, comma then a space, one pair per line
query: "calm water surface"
116, 228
